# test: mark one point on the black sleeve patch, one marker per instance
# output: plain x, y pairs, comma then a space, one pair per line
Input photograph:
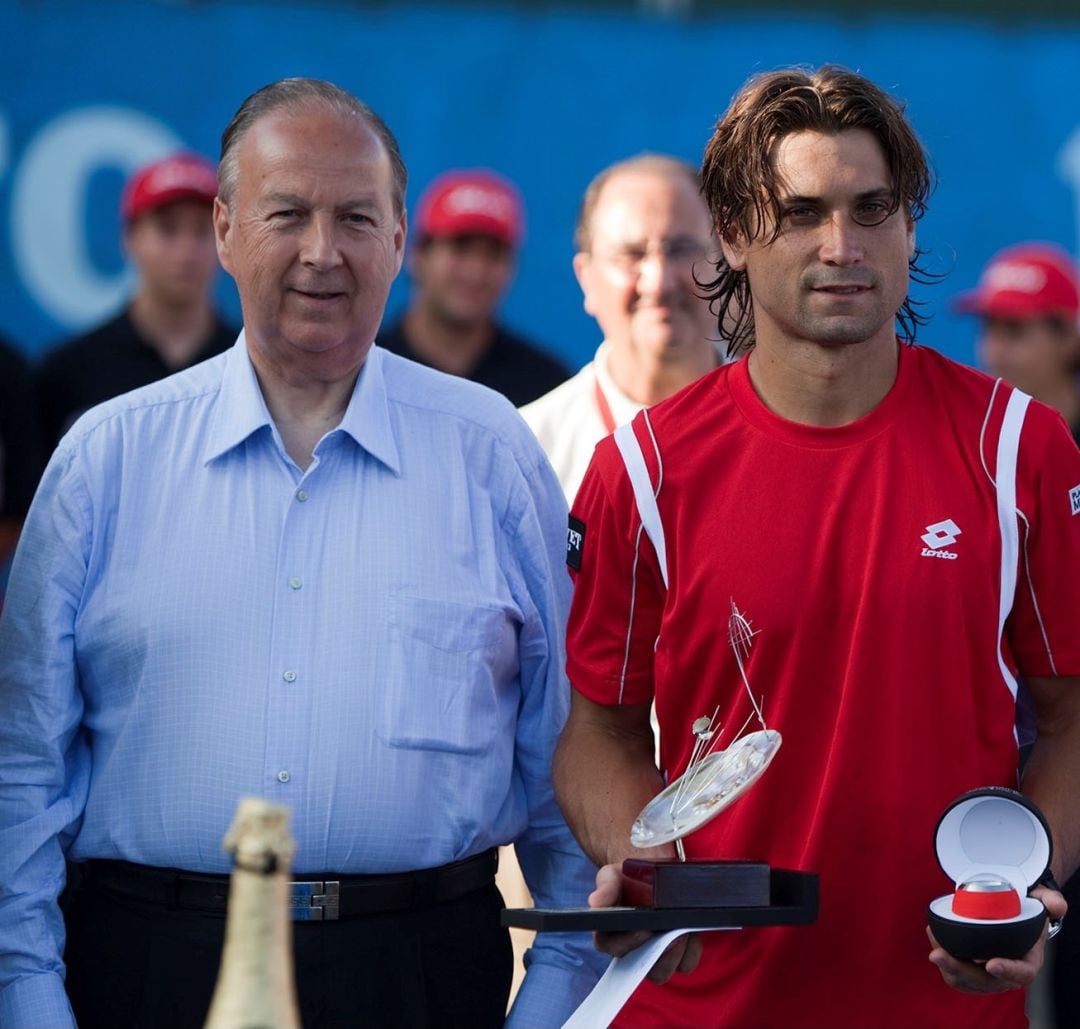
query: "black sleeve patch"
575, 543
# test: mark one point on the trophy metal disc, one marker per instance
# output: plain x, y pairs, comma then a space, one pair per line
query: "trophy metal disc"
705, 789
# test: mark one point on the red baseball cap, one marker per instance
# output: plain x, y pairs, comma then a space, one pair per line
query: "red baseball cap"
471, 203
178, 177
1029, 280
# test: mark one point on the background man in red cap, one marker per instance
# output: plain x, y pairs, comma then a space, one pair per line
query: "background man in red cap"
170, 322
468, 227
1029, 300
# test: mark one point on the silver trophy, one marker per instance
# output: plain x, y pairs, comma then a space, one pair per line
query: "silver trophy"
714, 777
674, 893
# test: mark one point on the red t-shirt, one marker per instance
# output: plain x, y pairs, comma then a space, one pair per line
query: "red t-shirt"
868, 559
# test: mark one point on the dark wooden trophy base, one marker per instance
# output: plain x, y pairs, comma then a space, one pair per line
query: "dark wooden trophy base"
674, 894
672, 883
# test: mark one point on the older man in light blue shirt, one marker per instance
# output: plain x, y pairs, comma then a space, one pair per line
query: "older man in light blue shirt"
307, 570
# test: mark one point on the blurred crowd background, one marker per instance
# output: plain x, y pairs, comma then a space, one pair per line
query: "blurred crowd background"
546, 94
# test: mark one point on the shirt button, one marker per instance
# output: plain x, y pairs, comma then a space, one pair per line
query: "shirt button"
301, 495
283, 776
289, 676
294, 584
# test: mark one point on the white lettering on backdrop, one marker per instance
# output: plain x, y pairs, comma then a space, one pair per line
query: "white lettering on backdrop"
48, 217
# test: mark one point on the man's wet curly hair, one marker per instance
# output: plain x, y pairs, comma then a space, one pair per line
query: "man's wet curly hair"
738, 175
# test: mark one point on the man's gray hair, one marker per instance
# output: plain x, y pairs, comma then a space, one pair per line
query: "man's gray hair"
298, 93
657, 164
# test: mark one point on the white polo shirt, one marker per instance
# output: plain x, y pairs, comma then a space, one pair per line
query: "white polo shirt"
570, 420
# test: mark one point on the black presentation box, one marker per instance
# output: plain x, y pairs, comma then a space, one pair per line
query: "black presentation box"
793, 900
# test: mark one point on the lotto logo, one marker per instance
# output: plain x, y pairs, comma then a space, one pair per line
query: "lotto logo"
1074, 499
941, 534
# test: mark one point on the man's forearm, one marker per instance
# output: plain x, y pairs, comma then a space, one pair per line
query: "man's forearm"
604, 775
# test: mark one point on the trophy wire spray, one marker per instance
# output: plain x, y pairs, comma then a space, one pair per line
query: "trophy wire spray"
256, 987
713, 778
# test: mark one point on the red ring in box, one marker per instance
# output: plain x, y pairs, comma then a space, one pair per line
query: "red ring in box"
983, 904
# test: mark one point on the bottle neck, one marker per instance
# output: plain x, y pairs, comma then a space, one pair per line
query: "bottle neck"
256, 986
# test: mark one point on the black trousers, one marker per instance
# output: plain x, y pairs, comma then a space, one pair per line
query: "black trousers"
1066, 974
136, 965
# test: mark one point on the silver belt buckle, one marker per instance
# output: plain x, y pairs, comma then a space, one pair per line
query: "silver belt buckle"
315, 901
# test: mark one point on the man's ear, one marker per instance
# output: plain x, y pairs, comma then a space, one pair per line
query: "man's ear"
584, 271
401, 235
734, 251
222, 235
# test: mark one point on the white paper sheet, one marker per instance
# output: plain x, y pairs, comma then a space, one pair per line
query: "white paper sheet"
621, 979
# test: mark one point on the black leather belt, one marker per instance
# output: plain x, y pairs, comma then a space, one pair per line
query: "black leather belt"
322, 898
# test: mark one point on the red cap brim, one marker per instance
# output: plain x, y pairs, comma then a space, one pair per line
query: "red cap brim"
1015, 306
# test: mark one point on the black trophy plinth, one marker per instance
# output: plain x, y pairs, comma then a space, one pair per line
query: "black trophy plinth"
791, 899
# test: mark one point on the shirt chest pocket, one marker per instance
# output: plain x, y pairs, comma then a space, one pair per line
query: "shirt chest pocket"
444, 669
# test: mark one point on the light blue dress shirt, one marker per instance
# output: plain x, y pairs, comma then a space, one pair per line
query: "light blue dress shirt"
376, 642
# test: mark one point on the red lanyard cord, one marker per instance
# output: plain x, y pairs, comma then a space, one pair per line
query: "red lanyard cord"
603, 408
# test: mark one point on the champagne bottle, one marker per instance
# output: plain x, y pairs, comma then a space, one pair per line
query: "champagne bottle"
256, 987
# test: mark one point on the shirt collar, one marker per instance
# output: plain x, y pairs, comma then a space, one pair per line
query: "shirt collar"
367, 418
623, 408
241, 409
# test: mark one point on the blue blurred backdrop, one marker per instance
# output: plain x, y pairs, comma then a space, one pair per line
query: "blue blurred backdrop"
545, 96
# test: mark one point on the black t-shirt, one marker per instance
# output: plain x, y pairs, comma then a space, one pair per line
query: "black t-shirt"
105, 362
20, 461
515, 367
